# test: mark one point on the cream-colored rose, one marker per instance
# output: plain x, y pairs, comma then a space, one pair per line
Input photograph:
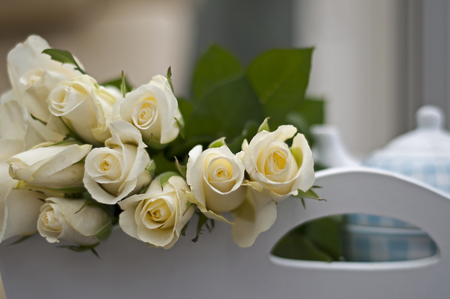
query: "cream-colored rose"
63, 218
279, 170
50, 166
153, 109
33, 75
157, 216
119, 169
19, 209
17, 126
83, 107
215, 177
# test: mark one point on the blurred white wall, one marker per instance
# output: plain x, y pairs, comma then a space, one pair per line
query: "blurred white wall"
358, 66
142, 38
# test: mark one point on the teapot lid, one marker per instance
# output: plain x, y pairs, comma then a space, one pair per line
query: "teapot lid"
429, 138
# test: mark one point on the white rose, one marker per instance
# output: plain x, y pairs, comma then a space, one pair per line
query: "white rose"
279, 170
157, 216
153, 109
33, 75
50, 166
119, 169
215, 177
16, 125
63, 218
19, 209
83, 107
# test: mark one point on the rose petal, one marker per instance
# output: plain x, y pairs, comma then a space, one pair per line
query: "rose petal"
256, 214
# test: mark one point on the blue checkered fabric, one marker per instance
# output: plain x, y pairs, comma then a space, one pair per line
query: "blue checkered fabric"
377, 244
433, 170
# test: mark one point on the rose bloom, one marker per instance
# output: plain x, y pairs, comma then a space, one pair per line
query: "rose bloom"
63, 218
50, 166
153, 109
33, 75
215, 177
83, 107
274, 168
157, 216
119, 169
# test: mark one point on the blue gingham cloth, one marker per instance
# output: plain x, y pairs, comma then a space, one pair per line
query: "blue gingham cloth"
433, 170
377, 244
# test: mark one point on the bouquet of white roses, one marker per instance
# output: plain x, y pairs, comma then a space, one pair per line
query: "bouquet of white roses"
77, 157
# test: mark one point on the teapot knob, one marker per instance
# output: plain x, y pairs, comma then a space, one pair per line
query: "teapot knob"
430, 117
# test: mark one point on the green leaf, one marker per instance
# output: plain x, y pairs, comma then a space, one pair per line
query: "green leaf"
280, 77
325, 234
313, 110
183, 230
105, 232
264, 126
63, 56
225, 111
21, 239
82, 248
303, 203
186, 109
169, 77
151, 169
181, 168
296, 245
183, 147
308, 194
39, 120
250, 130
70, 190
164, 178
123, 85
117, 83
64, 143
163, 164
202, 219
215, 67
217, 143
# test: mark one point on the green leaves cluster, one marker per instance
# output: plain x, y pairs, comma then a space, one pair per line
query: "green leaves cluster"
231, 101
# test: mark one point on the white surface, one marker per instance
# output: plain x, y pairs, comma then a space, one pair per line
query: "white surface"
216, 268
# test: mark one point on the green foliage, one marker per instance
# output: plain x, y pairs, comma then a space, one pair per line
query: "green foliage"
215, 67
280, 78
225, 110
22, 238
164, 178
308, 194
82, 248
317, 240
117, 83
123, 86
65, 57
203, 221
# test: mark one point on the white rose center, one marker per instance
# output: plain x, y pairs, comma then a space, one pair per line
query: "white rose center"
50, 221
65, 98
145, 114
156, 213
220, 174
276, 162
31, 77
110, 167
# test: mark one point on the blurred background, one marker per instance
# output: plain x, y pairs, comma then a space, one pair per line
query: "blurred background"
375, 61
